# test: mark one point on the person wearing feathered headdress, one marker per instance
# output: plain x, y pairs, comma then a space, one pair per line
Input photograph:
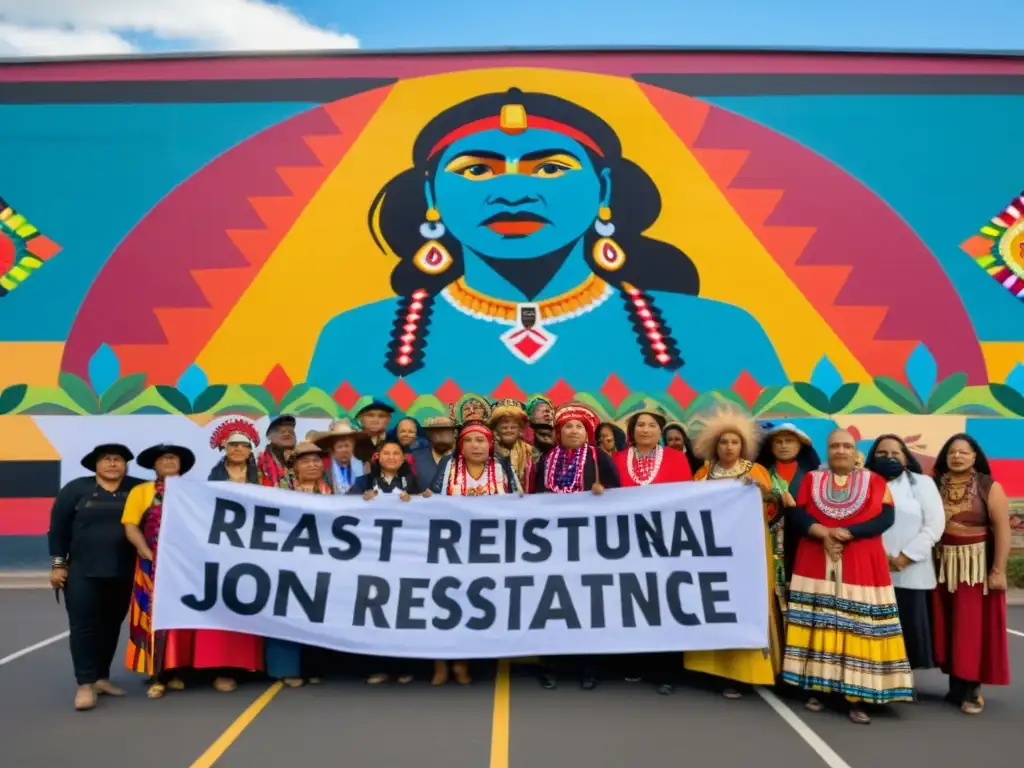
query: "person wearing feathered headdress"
574, 465
727, 443
238, 439
472, 471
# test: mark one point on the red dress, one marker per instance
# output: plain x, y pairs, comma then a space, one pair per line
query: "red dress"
665, 466
843, 632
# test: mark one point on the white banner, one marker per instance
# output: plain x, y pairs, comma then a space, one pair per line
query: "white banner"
669, 567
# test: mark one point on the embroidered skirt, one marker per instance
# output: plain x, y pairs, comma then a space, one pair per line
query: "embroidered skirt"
843, 631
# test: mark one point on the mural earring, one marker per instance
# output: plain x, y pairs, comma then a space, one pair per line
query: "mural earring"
608, 255
432, 257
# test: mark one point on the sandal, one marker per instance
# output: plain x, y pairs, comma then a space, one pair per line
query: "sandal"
377, 679
224, 684
156, 691
859, 716
973, 706
814, 705
404, 679
176, 685
315, 680
294, 682
732, 693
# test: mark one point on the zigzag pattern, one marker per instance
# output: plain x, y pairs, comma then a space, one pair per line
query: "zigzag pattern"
193, 256
862, 268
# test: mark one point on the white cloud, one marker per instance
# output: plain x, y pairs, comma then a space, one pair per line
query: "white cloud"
76, 27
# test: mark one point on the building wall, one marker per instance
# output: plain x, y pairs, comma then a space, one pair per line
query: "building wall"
834, 238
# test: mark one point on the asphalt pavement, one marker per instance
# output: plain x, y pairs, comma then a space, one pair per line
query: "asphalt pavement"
506, 721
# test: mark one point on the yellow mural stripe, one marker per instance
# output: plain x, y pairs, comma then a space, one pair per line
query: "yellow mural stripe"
330, 243
22, 440
36, 363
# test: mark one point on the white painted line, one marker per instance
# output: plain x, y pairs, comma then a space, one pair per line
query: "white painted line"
804, 731
1015, 632
26, 651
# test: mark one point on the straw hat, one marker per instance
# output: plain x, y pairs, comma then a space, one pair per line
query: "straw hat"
507, 407
339, 428
306, 448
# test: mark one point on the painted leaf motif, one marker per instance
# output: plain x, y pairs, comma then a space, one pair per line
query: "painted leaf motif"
842, 397
922, 371
11, 397
946, 390
104, 369
192, 382
174, 398
812, 395
1016, 378
786, 408
423, 407
261, 396
1009, 398
292, 395
209, 398
150, 410
49, 409
764, 399
826, 378
122, 392
81, 394
899, 394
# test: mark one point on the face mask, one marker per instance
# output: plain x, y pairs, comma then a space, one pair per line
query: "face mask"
887, 467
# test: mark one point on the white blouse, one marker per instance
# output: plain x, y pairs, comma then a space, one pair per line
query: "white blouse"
920, 521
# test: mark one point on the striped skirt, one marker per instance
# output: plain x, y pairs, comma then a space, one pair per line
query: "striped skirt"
844, 638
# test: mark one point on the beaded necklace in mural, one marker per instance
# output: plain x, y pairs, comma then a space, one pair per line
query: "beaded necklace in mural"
564, 471
643, 469
840, 501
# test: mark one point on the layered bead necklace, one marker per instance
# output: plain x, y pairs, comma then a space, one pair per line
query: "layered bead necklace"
840, 500
564, 471
643, 469
459, 484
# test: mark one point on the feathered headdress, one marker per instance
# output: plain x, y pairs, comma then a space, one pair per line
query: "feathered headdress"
241, 427
725, 420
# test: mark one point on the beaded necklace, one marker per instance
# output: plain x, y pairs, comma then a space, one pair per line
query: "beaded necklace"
458, 484
958, 498
643, 469
839, 501
564, 471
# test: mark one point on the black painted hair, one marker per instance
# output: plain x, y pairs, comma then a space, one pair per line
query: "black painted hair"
981, 464
398, 211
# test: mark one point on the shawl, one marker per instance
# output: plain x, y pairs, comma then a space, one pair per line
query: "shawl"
290, 483
520, 456
219, 473
272, 472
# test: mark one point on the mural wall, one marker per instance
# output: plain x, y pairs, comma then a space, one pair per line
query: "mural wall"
833, 238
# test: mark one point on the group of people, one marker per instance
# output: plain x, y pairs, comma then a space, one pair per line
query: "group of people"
874, 569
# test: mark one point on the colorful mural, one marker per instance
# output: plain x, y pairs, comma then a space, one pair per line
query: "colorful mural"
793, 233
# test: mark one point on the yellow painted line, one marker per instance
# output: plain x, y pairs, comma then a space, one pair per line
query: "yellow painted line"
233, 731
499, 721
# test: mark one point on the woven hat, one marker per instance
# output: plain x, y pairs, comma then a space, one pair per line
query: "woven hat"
507, 407
338, 428
305, 448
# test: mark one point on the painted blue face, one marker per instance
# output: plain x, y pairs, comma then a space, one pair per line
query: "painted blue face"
518, 196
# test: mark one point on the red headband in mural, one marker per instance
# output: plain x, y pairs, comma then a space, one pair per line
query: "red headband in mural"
477, 429
577, 412
512, 120
232, 427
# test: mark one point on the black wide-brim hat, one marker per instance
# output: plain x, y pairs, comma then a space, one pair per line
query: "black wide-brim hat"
106, 449
147, 459
284, 420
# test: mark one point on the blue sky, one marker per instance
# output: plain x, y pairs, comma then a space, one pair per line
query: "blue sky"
957, 24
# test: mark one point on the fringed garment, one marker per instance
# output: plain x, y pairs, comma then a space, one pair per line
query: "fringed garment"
843, 631
969, 620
